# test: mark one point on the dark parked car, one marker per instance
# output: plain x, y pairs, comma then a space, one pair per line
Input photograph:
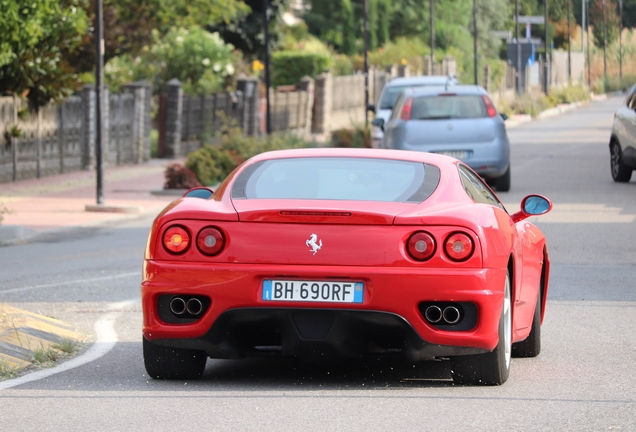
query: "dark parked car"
623, 140
459, 121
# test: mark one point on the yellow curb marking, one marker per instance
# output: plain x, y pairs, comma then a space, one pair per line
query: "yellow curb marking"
14, 335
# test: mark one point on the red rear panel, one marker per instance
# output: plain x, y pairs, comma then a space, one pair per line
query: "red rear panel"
316, 244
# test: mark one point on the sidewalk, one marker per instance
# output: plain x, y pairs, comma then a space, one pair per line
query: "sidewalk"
60, 201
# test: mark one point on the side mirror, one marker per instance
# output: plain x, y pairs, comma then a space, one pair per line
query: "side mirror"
371, 107
504, 116
199, 192
378, 122
532, 205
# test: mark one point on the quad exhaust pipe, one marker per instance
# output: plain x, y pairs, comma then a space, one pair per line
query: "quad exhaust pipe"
180, 306
435, 315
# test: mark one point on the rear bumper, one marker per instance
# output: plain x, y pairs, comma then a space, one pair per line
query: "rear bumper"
238, 321
488, 159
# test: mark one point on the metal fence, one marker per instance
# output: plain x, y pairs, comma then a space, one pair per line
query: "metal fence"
61, 138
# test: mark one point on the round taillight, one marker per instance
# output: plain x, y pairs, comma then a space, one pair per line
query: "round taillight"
210, 241
176, 239
421, 246
458, 246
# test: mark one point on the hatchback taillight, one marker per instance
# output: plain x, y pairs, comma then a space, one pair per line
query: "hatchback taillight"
458, 246
210, 241
406, 109
176, 239
490, 107
421, 246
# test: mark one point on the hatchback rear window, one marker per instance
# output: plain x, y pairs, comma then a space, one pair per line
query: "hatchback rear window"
337, 178
448, 107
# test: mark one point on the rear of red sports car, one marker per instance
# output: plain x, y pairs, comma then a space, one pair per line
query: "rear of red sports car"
325, 255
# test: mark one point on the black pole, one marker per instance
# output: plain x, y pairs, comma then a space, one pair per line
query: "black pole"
365, 17
604, 51
99, 91
475, 42
569, 48
268, 117
432, 13
620, 39
546, 45
518, 74
587, 27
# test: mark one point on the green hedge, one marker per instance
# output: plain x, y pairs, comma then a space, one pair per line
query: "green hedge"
211, 164
288, 67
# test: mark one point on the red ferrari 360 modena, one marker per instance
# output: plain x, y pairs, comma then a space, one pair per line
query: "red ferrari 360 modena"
342, 253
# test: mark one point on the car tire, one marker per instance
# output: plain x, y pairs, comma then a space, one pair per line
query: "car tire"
531, 347
502, 184
173, 363
620, 172
492, 368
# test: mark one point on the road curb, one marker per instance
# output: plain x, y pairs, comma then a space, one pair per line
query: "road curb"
27, 333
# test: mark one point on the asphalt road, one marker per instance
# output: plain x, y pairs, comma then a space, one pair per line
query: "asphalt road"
583, 380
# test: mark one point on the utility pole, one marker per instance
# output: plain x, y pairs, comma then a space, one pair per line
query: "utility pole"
546, 67
268, 117
518, 74
475, 42
99, 92
587, 28
604, 50
365, 17
432, 13
569, 48
620, 40
583, 24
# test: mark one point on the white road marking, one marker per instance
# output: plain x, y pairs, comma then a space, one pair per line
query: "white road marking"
28, 288
106, 340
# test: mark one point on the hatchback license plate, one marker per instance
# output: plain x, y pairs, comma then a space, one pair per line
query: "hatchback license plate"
457, 154
313, 291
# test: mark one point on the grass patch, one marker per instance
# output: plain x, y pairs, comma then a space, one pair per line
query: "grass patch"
7, 371
67, 346
48, 356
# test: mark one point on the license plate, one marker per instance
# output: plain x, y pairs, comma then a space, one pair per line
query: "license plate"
313, 291
457, 154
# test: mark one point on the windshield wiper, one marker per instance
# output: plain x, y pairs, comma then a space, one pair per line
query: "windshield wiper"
435, 118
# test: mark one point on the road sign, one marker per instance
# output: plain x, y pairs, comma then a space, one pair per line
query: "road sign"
534, 19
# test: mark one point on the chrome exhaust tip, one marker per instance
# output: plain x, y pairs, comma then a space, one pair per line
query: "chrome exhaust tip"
178, 306
194, 306
433, 314
451, 315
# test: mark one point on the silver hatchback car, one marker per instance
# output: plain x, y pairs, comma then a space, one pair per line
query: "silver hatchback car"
459, 121
623, 140
392, 91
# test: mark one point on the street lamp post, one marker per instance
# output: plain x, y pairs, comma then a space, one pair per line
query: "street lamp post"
99, 92
546, 68
620, 39
365, 17
475, 42
518, 74
569, 48
432, 19
604, 50
587, 28
268, 118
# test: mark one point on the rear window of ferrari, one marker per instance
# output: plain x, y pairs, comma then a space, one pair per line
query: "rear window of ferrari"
337, 178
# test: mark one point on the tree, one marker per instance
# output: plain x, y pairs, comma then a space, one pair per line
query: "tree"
611, 22
246, 31
348, 45
38, 37
129, 25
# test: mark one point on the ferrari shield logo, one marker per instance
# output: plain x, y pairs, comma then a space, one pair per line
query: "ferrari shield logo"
315, 247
